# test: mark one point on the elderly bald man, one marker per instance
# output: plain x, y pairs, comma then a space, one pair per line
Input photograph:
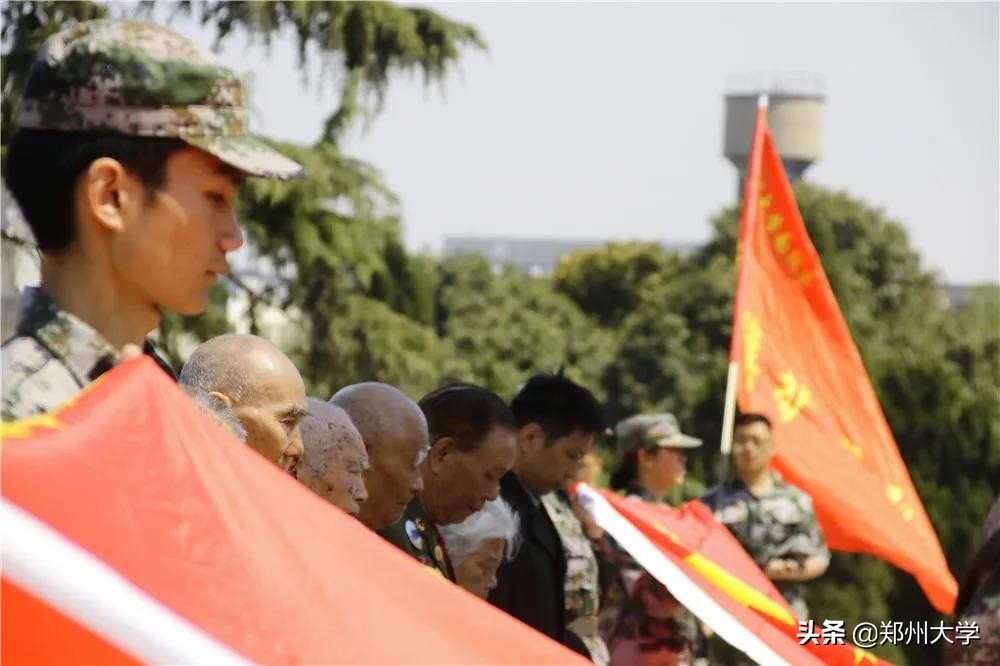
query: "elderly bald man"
335, 459
262, 387
395, 435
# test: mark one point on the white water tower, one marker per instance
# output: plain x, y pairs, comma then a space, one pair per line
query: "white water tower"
795, 116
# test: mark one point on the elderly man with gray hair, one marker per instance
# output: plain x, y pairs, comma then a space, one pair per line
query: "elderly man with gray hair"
480, 543
335, 460
260, 384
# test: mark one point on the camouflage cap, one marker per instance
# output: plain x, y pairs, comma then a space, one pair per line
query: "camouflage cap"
648, 430
140, 79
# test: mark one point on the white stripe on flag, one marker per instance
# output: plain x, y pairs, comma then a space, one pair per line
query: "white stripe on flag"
686, 591
85, 589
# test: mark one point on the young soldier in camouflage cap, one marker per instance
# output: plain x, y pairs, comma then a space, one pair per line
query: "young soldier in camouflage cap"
130, 146
643, 622
773, 520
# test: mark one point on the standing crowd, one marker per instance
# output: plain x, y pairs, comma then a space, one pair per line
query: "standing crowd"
129, 148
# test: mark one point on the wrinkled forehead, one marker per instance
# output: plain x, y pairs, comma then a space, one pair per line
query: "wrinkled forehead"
346, 435
404, 441
275, 382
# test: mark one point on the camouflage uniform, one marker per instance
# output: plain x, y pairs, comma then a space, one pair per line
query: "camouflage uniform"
418, 537
583, 592
125, 78
639, 609
778, 524
51, 357
642, 622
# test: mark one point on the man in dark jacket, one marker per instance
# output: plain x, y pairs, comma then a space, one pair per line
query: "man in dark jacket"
557, 421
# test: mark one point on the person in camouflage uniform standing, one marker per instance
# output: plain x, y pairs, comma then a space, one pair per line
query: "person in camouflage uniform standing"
979, 602
580, 536
642, 621
773, 520
129, 147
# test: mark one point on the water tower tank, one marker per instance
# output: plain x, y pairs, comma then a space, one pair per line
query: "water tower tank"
795, 116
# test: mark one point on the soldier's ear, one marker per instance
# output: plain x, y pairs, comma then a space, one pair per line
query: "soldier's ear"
440, 452
107, 193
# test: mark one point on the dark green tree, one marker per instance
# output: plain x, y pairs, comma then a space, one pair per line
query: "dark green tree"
606, 283
509, 326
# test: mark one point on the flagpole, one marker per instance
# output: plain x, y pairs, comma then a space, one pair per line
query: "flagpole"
744, 240
728, 417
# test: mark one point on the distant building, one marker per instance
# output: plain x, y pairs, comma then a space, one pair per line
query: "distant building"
956, 295
794, 116
536, 257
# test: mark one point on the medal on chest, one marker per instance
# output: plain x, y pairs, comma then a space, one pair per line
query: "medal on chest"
413, 534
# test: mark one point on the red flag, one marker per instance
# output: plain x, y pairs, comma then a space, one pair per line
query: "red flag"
799, 365
710, 574
137, 530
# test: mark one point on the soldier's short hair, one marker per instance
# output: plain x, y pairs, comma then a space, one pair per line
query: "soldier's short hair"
496, 520
47, 201
465, 412
749, 418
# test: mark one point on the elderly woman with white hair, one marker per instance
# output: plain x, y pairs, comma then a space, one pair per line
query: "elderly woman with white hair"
479, 544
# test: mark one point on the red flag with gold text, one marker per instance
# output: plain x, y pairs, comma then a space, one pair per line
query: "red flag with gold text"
799, 366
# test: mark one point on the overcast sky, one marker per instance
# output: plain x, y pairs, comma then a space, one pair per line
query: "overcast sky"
605, 121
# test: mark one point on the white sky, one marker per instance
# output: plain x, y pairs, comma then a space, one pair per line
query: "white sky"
605, 121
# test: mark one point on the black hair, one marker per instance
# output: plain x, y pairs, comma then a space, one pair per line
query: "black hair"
627, 472
558, 405
465, 412
750, 418
43, 168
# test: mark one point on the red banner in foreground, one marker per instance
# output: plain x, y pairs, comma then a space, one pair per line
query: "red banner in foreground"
708, 571
129, 517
